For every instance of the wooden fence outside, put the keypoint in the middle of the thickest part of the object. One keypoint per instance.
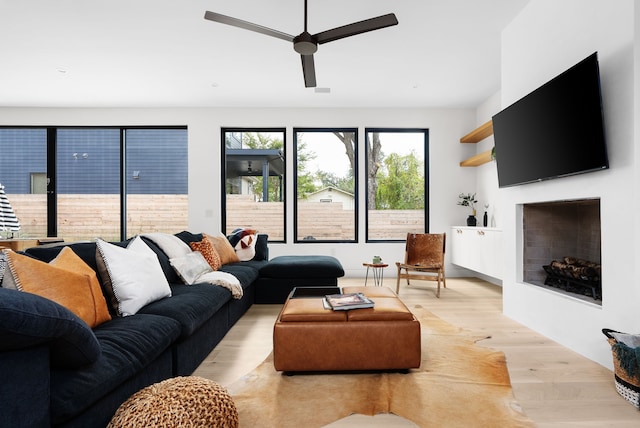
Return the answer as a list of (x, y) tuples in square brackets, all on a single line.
[(82, 217)]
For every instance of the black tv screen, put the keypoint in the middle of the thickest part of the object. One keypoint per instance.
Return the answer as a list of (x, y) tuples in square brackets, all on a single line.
[(555, 131)]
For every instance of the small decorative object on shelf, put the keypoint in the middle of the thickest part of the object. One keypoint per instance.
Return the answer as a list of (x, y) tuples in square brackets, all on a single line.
[(377, 260), (469, 200), (485, 218)]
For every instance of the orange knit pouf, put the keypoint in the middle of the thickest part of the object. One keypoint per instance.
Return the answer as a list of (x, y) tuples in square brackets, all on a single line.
[(188, 401)]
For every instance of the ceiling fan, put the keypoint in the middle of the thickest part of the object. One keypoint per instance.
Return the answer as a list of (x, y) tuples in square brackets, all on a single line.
[(307, 44)]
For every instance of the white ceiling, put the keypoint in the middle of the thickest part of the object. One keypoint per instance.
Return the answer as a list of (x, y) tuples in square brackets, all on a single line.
[(163, 53)]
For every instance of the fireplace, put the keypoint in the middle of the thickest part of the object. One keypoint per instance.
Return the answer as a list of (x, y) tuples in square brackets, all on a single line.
[(557, 235)]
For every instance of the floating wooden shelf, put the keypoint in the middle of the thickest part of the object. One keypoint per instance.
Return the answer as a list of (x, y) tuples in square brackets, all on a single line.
[(478, 134), (478, 159), (475, 136)]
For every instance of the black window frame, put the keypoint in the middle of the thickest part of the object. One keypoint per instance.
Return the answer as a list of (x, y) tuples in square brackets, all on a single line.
[(296, 131), (427, 186), (52, 167), (223, 173)]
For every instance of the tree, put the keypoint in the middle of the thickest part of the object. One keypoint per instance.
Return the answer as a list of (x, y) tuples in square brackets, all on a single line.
[(373, 161), (401, 183)]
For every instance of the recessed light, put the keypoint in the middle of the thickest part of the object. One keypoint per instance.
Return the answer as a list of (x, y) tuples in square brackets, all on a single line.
[(214, 85), (61, 70)]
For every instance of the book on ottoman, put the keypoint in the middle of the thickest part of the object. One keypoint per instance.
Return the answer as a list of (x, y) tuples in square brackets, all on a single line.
[(348, 301)]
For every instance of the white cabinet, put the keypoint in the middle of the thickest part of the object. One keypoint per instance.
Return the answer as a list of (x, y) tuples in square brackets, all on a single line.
[(478, 249)]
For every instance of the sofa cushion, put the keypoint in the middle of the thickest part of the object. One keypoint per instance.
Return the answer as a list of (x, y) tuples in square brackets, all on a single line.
[(262, 247), (246, 272), (303, 267), (66, 280), (189, 237), (128, 345), (190, 305), (85, 250), (28, 320), (135, 277)]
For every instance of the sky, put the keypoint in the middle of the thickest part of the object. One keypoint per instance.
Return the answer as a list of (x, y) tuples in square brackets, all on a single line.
[(331, 157)]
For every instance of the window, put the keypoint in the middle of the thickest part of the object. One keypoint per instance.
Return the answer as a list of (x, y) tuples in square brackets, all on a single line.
[(23, 155), (397, 188), (68, 182), (156, 180), (254, 181), (88, 183), (326, 171)]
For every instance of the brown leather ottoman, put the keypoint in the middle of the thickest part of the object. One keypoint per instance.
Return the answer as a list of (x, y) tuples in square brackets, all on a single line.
[(308, 337)]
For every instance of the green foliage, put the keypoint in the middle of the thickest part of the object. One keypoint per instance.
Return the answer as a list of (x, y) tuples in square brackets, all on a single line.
[(400, 183), (468, 200), (257, 140)]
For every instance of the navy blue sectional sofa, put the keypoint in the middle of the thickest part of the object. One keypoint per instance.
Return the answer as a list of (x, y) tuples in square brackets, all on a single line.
[(56, 371)]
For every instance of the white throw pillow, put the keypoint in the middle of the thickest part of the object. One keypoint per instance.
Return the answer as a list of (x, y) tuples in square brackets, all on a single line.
[(135, 274), (190, 266)]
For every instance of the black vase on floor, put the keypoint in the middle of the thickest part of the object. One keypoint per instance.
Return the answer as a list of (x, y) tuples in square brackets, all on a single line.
[(471, 221), (485, 219)]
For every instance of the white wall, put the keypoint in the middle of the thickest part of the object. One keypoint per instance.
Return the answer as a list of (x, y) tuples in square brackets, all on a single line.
[(487, 174), (545, 39), (446, 177)]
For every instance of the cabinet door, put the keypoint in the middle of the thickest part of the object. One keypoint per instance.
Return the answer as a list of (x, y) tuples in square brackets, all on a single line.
[(477, 249), (457, 246)]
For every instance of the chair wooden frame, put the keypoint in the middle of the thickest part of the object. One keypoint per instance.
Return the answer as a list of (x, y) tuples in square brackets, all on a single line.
[(423, 259)]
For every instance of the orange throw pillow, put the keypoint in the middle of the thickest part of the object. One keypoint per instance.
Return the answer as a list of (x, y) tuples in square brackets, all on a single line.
[(67, 280), (208, 250), (224, 248)]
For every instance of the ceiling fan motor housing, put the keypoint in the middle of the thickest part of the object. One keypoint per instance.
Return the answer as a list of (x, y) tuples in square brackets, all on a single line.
[(305, 44)]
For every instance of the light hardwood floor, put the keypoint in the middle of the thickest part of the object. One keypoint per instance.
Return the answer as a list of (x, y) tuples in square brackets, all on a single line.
[(555, 386)]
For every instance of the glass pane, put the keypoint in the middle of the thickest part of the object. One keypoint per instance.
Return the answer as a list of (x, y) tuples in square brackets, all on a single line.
[(88, 182), (23, 154), (255, 179), (325, 185), (157, 178), (395, 184)]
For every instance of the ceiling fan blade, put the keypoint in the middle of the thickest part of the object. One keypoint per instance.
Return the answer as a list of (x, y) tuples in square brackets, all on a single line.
[(235, 22), (356, 28), (309, 71)]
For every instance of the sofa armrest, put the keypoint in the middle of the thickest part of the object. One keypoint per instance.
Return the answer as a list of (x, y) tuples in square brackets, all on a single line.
[(25, 387), (28, 320)]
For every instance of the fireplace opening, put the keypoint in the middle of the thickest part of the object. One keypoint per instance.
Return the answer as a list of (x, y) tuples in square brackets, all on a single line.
[(562, 247)]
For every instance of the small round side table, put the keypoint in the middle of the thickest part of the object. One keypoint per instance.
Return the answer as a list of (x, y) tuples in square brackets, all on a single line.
[(378, 273)]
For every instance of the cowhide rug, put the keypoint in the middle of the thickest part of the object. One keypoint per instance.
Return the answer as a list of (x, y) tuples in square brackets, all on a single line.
[(458, 384)]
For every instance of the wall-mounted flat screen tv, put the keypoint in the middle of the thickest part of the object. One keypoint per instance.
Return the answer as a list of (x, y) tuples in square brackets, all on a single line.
[(555, 131)]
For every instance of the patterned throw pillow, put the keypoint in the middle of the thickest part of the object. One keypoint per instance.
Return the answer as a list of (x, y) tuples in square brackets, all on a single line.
[(243, 241), (208, 250)]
